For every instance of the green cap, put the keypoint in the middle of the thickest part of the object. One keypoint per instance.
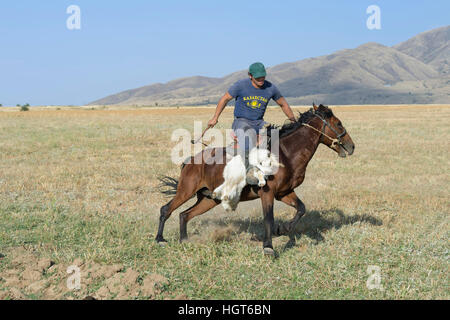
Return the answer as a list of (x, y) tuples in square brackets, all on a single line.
[(257, 70)]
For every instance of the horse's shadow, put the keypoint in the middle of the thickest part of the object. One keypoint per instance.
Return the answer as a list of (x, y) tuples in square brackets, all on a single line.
[(314, 224)]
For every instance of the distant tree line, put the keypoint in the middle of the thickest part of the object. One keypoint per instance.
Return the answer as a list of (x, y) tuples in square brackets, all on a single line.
[(24, 107)]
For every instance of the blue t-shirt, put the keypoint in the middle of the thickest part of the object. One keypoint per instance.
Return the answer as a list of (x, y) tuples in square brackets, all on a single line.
[(251, 103)]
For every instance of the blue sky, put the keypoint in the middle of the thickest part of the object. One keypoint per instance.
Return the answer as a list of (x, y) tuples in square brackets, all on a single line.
[(127, 44)]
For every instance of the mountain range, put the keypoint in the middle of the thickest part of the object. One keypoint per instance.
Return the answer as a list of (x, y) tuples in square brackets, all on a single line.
[(416, 71)]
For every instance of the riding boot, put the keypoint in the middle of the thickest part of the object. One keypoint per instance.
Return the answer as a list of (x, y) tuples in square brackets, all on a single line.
[(250, 177)]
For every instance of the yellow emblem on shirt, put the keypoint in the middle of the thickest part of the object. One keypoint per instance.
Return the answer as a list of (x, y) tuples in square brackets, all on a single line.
[(254, 101), (254, 104)]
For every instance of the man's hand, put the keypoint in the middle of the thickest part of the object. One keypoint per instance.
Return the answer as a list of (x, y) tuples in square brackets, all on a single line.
[(286, 108), (212, 122)]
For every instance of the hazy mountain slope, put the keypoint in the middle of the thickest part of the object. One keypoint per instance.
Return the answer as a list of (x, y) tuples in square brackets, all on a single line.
[(169, 88), (368, 66), (414, 71), (431, 47)]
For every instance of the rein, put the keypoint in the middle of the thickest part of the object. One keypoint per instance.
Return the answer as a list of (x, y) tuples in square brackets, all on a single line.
[(334, 141)]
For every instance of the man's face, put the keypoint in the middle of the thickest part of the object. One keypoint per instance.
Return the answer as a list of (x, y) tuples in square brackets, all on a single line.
[(258, 81)]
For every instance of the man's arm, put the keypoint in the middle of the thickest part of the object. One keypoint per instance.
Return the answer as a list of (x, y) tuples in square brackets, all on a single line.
[(220, 106), (286, 108)]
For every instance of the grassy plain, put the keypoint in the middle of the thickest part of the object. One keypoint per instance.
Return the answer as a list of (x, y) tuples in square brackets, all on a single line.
[(80, 187)]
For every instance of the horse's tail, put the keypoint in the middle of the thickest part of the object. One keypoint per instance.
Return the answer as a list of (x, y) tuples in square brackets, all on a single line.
[(168, 185)]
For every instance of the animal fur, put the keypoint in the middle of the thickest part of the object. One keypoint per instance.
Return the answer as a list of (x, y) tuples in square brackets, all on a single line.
[(229, 192)]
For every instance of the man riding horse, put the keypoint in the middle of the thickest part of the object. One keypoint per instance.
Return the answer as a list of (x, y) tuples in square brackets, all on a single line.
[(252, 97), (298, 142)]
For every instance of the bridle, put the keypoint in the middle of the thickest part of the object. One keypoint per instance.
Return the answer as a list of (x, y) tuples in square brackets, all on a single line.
[(334, 141)]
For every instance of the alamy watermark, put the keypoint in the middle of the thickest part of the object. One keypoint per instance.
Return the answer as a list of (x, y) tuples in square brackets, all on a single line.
[(74, 280), (185, 151), (374, 279), (374, 20), (73, 22)]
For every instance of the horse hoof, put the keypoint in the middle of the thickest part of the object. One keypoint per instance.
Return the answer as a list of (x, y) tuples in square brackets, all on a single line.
[(161, 241), (269, 252), (162, 244), (225, 198)]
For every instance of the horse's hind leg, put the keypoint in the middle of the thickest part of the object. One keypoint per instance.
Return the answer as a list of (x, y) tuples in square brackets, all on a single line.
[(184, 193), (202, 205), (164, 215)]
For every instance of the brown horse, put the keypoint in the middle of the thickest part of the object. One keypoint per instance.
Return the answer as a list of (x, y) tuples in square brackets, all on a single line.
[(298, 142)]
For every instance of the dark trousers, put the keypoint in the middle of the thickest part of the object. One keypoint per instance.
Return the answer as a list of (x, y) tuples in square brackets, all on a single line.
[(246, 132)]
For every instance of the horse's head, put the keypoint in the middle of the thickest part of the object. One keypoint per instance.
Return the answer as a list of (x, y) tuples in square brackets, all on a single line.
[(340, 141)]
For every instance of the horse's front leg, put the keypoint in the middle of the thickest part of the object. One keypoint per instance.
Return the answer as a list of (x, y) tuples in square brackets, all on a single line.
[(267, 200), (287, 228)]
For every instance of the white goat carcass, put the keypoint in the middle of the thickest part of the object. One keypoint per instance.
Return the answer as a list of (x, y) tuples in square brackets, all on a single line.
[(266, 162), (229, 192)]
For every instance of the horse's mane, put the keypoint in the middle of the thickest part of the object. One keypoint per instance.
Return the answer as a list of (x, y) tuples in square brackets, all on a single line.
[(305, 117)]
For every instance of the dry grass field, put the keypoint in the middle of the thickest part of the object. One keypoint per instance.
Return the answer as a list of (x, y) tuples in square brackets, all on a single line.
[(79, 187)]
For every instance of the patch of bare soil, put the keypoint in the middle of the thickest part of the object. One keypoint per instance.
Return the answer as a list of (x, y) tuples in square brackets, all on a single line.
[(29, 277)]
